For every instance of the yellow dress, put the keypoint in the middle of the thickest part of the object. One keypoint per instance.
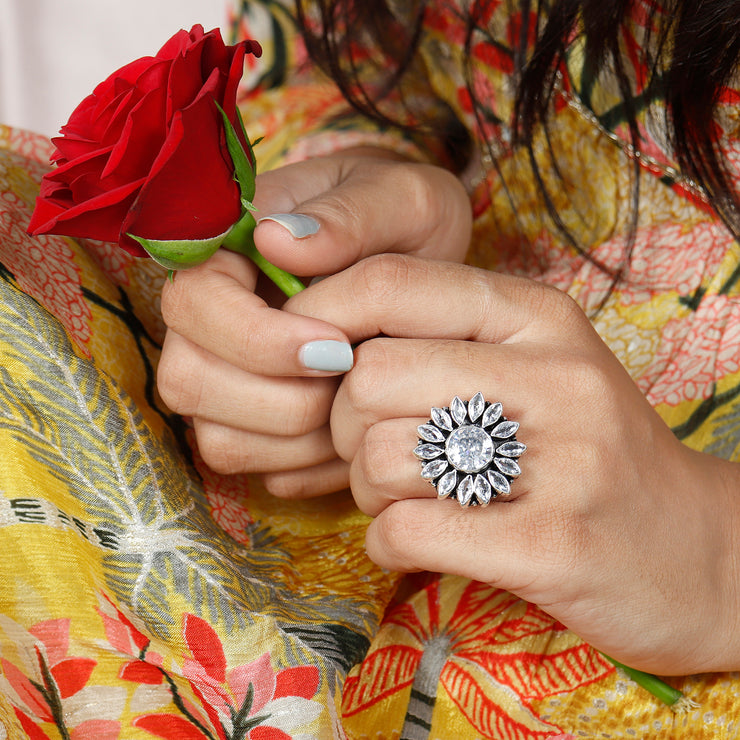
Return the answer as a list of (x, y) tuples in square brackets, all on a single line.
[(143, 595)]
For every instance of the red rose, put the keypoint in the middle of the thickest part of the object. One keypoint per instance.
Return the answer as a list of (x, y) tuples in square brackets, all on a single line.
[(146, 153)]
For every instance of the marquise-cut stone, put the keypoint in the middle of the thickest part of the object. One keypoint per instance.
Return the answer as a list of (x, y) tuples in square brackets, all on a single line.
[(434, 469), (427, 452), (492, 414), (442, 419), (458, 410), (505, 429), (469, 448), (475, 406), (508, 466), (482, 490), (465, 490), (446, 484), (498, 482), (511, 449), (430, 433)]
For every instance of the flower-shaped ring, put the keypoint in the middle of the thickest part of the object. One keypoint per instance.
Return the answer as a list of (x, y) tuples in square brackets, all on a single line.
[(469, 451)]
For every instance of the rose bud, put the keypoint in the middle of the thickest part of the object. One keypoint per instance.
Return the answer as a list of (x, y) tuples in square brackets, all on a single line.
[(144, 160)]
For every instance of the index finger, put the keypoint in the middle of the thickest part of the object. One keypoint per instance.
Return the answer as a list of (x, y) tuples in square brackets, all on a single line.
[(404, 296)]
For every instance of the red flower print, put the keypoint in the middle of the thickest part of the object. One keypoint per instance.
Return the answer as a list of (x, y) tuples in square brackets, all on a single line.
[(46, 685), (45, 270), (250, 701), (709, 342)]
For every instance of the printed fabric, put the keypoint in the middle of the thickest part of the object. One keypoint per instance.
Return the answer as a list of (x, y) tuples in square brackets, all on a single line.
[(144, 596)]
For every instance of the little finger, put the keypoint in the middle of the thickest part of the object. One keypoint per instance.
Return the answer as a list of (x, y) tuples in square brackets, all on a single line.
[(228, 450), (318, 480)]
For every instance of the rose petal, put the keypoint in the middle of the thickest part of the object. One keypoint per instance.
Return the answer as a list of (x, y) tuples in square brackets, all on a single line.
[(185, 80), (179, 42), (169, 205), (144, 133), (96, 219)]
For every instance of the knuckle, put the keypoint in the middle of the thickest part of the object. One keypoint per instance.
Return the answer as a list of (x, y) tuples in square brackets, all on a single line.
[(369, 377), (376, 459), (399, 532), (284, 486), (309, 412), (421, 191), (177, 301), (216, 447), (178, 383), (383, 279), (557, 305)]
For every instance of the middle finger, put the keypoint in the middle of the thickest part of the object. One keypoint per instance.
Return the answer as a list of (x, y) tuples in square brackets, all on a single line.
[(403, 378)]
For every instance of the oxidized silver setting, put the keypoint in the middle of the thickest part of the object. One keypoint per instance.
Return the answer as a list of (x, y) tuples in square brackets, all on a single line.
[(469, 451)]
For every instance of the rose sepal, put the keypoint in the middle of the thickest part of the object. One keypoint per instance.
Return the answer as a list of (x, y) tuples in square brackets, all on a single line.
[(180, 254), (241, 236), (245, 166)]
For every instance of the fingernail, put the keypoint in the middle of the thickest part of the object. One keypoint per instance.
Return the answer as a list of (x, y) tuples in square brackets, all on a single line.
[(327, 355), (298, 224)]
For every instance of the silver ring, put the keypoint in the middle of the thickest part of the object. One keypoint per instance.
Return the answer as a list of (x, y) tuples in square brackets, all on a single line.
[(469, 451)]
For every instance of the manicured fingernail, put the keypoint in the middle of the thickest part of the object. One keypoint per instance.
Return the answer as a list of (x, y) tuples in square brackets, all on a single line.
[(298, 224), (327, 355)]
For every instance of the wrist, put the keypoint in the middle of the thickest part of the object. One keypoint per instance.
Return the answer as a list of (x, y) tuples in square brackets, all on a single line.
[(727, 632)]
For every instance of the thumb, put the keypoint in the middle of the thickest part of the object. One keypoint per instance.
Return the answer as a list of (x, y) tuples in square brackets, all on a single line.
[(363, 205)]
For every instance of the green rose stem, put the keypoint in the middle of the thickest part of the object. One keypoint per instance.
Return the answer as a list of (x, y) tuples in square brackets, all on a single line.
[(677, 702), (240, 239)]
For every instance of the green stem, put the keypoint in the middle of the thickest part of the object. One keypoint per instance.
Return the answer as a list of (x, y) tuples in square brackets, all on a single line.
[(658, 688), (240, 239)]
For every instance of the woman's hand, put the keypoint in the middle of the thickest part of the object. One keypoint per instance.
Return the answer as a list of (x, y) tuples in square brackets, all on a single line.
[(246, 371), (614, 527)]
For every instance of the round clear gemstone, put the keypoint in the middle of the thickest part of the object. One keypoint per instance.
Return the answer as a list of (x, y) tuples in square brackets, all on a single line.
[(469, 448)]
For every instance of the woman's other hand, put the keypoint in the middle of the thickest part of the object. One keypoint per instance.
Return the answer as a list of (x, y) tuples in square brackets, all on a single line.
[(259, 382), (614, 527)]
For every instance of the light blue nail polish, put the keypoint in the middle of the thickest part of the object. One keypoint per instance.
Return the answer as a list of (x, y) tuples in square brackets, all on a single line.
[(327, 355), (298, 224)]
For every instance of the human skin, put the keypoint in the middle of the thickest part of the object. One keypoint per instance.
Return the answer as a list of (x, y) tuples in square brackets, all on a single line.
[(615, 527), (231, 360)]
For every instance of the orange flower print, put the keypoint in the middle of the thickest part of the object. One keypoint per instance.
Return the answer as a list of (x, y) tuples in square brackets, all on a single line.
[(492, 653)]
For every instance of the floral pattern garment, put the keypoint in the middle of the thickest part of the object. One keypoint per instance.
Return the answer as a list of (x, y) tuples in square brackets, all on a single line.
[(144, 596)]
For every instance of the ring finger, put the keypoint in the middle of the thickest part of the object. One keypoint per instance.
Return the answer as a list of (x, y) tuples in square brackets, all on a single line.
[(469, 453)]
